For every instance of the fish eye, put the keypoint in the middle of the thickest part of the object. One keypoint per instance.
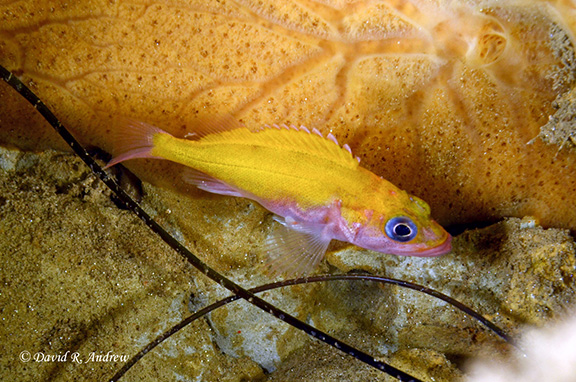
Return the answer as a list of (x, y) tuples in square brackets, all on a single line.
[(401, 229)]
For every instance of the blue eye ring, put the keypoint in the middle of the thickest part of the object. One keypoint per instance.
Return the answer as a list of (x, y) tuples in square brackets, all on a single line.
[(401, 229)]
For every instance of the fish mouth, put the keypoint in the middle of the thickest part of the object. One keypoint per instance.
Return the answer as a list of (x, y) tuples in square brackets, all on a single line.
[(441, 249)]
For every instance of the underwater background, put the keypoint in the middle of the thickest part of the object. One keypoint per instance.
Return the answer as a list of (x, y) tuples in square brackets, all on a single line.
[(466, 104)]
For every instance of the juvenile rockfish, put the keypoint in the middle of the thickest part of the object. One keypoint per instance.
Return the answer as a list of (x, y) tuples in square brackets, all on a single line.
[(316, 188)]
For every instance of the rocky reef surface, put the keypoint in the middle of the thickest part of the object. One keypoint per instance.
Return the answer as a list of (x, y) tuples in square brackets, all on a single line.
[(80, 275)]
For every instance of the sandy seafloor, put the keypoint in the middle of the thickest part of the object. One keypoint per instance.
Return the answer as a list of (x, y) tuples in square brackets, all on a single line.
[(81, 277)]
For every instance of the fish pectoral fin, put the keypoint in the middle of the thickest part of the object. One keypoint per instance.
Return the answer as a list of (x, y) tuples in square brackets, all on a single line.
[(297, 250), (210, 184)]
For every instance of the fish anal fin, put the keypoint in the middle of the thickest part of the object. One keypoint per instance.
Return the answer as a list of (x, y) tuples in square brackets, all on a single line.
[(210, 184), (296, 248)]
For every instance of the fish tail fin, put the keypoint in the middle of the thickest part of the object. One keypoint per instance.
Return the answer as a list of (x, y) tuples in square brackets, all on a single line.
[(133, 139)]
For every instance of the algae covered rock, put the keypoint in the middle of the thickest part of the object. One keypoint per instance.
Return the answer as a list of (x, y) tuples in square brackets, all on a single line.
[(81, 276)]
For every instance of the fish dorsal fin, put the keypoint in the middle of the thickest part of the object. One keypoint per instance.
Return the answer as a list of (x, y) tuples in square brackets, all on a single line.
[(134, 139), (282, 137), (325, 146), (212, 126), (295, 248)]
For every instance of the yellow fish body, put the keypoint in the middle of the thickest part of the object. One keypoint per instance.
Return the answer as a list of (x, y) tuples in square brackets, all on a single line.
[(316, 188)]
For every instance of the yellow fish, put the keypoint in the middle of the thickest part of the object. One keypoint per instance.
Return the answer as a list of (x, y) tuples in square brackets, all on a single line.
[(315, 187)]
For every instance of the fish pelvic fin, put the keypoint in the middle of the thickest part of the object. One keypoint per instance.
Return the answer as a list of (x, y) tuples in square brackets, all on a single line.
[(294, 248), (133, 139)]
